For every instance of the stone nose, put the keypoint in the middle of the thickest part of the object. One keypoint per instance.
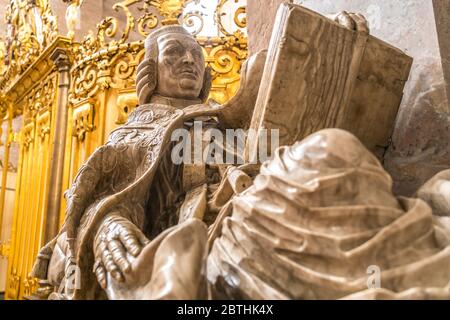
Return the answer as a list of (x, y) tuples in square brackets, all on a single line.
[(188, 58)]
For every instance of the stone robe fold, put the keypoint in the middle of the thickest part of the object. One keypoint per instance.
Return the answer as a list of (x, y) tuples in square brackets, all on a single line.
[(117, 178)]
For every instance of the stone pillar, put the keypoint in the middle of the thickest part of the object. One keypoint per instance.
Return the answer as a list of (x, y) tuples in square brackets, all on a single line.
[(62, 62), (442, 14)]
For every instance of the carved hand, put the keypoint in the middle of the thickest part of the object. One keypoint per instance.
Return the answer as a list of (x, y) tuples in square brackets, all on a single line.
[(116, 239), (352, 21), (172, 266)]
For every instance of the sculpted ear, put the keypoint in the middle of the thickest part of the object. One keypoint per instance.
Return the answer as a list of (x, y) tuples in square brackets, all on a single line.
[(207, 82), (146, 80)]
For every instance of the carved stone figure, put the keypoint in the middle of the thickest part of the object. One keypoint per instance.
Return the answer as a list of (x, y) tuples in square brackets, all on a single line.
[(130, 192), (310, 225)]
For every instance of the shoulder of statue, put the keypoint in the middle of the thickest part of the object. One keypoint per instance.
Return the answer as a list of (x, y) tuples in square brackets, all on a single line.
[(152, 113), (147, 124)]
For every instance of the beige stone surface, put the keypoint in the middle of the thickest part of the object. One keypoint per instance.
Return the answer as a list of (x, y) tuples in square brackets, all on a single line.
[(319, 74), (421, 140), (420, 146), (260, 17), (442, 14), (321, 222), (436, 193), (3, 4)]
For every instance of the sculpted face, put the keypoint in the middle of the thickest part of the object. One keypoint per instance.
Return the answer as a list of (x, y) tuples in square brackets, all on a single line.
[(181, 67)]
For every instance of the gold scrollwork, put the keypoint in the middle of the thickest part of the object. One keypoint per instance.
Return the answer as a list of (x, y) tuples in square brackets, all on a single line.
[(30, 285), (126, 103), (43, 123), (146, 22), (171, 10), (102, 65), (14, 285), (4, 249), (28, 135), (189, 21), (239, 19), (31, 27), (83, 121)]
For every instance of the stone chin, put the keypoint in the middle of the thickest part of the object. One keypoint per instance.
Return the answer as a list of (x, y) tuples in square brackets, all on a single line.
[(190, 84)]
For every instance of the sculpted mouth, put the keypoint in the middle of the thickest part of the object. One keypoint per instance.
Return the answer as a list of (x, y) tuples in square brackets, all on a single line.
[(188, 71), (189, 74)]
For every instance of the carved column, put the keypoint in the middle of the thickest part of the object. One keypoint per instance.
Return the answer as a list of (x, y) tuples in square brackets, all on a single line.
[(7, 116), (61, 60)]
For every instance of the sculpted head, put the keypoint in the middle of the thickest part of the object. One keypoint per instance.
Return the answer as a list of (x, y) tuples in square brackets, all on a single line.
[(174, 67)]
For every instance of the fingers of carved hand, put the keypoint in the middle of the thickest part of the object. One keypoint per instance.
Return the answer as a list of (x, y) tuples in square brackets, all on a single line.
[(119, 255), (352, 21), (360, 21), (344, 19), (132, 240), (108, 262), (100, 273)]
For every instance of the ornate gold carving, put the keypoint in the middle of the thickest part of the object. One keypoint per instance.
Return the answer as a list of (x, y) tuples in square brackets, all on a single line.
[(31, 27), (239, 18), (126, 103), (225, 60), (171, 10), (14, 285), (4, 249), (30, 285), (103, 62), (83, 121), (43, 123)]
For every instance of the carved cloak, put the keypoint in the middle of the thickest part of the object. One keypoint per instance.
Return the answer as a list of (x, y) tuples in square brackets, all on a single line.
[(116, 178)]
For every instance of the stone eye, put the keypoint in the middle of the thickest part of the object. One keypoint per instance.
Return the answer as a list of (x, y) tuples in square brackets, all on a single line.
[(175, 50)]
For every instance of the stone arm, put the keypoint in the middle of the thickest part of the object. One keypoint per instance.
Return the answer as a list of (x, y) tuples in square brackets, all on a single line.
[(49, 263)]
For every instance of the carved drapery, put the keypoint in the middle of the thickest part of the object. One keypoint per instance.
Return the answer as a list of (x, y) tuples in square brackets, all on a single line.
[(98, 96)]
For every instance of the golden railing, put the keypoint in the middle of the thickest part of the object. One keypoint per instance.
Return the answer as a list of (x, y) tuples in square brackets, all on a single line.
[(70, 95)]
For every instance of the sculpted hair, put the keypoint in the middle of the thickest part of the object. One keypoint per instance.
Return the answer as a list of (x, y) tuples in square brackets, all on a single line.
[(147, 71)]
